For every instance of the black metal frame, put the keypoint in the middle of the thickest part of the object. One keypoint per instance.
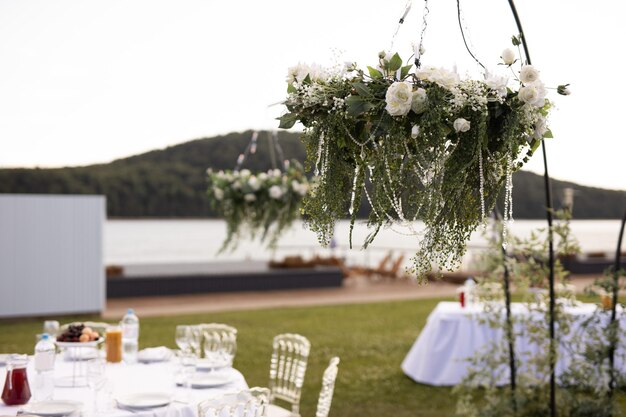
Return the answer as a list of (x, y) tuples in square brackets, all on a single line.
[(549, 213)]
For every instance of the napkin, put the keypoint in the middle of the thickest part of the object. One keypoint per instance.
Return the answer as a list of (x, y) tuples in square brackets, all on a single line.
[(154, 354)]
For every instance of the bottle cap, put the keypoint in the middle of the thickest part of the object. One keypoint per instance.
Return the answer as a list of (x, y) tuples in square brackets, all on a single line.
[(131, 311), (45, 336)]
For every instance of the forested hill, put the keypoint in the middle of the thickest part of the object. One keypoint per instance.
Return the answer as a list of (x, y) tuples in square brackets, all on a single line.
[(171, 182)]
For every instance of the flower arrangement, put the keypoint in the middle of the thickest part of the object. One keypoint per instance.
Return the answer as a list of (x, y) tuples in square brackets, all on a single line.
[(418, 143), (263, 204)]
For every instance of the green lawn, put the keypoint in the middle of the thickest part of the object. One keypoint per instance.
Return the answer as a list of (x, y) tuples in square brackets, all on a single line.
[(371, 340)]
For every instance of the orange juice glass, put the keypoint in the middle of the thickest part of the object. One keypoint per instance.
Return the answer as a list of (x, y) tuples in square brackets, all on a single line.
[(114, 344)]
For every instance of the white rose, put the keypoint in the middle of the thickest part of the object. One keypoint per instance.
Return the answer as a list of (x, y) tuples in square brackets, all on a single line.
[(276, 192), (415, 131), (461, 125), (249, 197), (218, 193), (497, 83), (262, 176), (508, 56), (297, 73), (236, 185), (541, 128), (528, 74), (245, 173), (254, 183), (441, 76), (533, 94), (399, 98), (300, 188), (274, 172), (419, 103)]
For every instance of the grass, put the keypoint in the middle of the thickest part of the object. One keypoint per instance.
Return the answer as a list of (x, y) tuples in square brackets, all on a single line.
[(371, 340)]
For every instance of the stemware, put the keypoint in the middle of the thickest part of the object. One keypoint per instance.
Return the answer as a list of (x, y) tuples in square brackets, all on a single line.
[(183, 336), (96, 378), (195, 340)]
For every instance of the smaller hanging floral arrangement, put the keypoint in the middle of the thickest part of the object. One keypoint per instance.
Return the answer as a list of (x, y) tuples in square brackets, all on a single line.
[(261, 205), (417, 143)]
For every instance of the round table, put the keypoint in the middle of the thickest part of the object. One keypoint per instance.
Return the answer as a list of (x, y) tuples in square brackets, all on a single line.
[(136, 378), (453, 334)]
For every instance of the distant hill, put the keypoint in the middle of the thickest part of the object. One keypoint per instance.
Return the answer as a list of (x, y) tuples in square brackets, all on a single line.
[(171, 182)]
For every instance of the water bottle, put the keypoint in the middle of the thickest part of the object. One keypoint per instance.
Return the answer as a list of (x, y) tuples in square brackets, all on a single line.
[(45, 353), (130, 336)]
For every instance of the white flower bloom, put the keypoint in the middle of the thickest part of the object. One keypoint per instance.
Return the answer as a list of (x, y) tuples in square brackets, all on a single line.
[(274, 172), (419, 102), (254, 183), (236, 185), (399, 98), (249, 197), (497, 83), (415, 131), (244, 173), (461, 125), (528, 74), (508, 56), (541, 128), (297, 73), (533, 94), (300, 188), (441, 76), (218, 193), (263, 176), (276, 192)]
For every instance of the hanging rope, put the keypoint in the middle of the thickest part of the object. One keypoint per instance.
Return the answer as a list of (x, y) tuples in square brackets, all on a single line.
[(276, 152), (420, 47), (251, 148), (458, 8), (407, 9)]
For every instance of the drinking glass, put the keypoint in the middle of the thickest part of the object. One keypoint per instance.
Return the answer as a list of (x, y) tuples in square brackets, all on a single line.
[(195, 340), (96, 378), (183, 334), (188, 361)]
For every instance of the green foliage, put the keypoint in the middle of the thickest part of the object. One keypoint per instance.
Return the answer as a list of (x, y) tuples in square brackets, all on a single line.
[(583, 385), (260, 205), (413, 162)]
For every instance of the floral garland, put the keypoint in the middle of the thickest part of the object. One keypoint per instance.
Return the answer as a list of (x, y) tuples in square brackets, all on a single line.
[(262, 204), (419, 144)]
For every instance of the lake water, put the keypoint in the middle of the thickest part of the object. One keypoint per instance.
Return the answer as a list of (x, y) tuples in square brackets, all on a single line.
[(181, 241)]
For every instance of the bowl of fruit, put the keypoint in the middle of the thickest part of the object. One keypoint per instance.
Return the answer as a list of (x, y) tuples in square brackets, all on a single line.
[(78, 334)]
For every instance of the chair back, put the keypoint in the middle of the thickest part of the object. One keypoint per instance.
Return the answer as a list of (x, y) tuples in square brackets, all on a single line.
[(328, 388), (247, 403), (219, 339), (287, 368)]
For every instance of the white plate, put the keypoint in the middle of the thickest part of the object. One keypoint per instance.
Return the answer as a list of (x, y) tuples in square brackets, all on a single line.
[(209, 380), (52, 408), (144, 400)]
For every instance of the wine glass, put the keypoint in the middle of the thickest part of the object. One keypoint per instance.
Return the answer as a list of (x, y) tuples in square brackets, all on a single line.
[(195, 339), (183, 334), (96, 379)]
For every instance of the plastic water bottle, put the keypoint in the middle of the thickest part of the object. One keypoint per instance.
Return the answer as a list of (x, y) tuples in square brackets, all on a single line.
[(130, 336), (45, 353)]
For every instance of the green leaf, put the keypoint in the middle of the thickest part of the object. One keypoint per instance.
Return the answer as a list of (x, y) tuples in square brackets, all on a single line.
[(362, 89), (374, 73), (291, 88), (405, 71), (548, 134), (516, 40), (287, 120), (357, 105), (307, 80), (395, 62)]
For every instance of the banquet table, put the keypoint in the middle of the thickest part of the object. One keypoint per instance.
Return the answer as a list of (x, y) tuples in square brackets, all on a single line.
[(453, 334), (124, 379)]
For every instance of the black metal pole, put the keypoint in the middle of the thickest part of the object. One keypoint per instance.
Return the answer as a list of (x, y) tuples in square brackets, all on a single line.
[(546, 180), (510, 336), (612, 326)]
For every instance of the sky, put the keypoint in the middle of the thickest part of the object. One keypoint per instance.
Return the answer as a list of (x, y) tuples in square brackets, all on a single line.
[(87, 81)]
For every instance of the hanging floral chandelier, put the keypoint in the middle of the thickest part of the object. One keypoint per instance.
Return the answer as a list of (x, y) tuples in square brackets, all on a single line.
[(420, 144)]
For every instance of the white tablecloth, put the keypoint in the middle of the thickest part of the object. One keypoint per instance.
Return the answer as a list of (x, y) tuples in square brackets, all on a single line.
[(452, 334), (137, 378)]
